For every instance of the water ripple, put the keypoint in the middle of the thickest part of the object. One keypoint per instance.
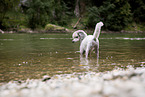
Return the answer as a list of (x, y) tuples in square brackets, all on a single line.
[(55, 38), (7, 39), (125, 38)]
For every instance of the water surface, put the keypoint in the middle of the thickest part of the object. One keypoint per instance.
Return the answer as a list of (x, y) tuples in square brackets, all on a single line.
[(25, 56)]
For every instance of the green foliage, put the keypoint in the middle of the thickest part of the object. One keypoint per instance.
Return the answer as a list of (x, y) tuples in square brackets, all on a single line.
[(102, 13), (41, 12), (135, 27), (138, 10), (114, 15), (37, 12), (8, 11)]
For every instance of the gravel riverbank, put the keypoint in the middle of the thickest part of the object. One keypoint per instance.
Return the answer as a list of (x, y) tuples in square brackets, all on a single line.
[(117, 83)]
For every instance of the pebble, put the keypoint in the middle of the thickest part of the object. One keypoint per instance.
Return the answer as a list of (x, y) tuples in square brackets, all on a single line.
[(45, 78), (117, 83)]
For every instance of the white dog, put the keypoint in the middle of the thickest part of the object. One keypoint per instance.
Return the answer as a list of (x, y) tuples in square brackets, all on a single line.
[(88, 42)]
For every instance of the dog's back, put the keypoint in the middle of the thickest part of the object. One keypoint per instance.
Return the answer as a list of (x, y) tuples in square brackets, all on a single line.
[(86, 44)]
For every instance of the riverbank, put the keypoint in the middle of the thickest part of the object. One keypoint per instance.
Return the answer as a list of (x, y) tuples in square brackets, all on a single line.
[(51, 28), (67, 31), (117, 83)]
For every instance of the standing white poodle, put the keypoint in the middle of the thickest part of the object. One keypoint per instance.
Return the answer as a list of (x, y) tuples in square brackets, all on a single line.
[(88, 42)]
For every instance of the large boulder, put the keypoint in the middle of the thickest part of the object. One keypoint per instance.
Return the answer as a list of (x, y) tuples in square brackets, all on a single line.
[(52, 27)]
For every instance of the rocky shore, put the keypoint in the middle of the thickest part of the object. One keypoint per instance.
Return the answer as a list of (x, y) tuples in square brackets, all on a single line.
[(49, 28), (58, 29), (117, 83)]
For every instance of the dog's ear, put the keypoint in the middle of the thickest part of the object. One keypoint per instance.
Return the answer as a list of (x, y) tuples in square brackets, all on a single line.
[(81, 35)]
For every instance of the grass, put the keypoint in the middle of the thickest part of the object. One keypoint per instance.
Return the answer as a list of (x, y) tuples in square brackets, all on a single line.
[(135, 27)]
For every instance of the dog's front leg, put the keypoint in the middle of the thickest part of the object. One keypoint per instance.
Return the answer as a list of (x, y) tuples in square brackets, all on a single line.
[(88, 50), (87, 53), (81, 50), (96, 46)]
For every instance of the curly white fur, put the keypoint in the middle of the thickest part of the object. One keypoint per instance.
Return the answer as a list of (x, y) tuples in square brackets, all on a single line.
[(90, 42)]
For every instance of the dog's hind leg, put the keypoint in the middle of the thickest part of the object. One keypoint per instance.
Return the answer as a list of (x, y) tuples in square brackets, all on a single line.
[(97, 50), (96, 46)]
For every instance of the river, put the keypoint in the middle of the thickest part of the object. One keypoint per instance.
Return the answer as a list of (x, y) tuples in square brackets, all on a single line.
[(32, 56)]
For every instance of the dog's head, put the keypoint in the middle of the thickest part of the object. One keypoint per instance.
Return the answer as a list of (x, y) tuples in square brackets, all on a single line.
[(78, 35)]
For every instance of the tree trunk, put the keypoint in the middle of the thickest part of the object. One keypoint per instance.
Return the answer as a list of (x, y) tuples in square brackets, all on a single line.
[(77, 23), (82, 7), (77, 9)]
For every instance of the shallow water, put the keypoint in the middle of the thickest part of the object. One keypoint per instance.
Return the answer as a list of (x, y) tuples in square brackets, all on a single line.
[(25, 56)]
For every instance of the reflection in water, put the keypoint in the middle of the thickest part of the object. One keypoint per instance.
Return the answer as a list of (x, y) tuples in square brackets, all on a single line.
[(125, 38), (84, 60), (89, 63)]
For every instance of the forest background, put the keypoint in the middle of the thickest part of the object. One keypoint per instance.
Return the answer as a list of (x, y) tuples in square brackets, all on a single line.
[(117, 15)]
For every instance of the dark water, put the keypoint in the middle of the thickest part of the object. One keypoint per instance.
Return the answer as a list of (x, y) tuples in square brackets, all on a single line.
[(25, 56)]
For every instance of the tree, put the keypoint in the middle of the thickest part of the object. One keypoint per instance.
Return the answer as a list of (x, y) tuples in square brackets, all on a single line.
[(37, 12), (41, 12), (138, 10), (61, 14), (115, 15), (6, 9)]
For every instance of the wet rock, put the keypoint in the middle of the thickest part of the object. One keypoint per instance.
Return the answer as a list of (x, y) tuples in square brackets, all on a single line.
[(46, 78)]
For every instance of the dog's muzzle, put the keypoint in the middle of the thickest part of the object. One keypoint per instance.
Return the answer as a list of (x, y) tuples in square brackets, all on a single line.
[(73, 41)]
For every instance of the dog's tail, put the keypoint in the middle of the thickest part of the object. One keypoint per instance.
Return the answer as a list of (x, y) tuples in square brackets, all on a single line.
[(98, 29)]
